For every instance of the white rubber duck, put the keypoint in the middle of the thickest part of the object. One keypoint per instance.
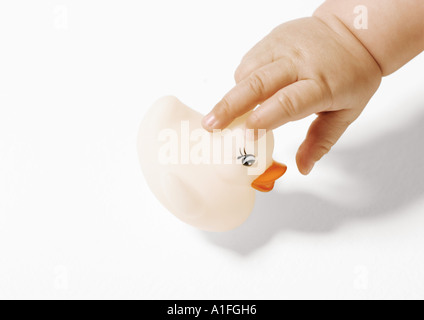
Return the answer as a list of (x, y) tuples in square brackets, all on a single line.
[(207, 180)]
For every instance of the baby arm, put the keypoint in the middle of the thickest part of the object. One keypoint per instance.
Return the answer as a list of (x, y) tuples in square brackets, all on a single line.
[(394, 32), (325, 65)]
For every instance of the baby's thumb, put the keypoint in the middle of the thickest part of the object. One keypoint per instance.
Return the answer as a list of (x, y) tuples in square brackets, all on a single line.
[(324, 132)]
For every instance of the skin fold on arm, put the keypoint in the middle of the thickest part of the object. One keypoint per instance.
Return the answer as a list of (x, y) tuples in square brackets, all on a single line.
[(322, 65)]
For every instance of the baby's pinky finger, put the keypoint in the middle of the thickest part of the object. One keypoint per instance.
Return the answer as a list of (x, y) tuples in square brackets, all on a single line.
[(323, 134)]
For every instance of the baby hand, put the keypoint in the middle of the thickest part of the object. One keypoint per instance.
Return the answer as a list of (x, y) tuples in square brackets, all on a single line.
[(302, 67)]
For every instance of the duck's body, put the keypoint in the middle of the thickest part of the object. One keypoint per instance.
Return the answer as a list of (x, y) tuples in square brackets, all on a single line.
[(212, 196)]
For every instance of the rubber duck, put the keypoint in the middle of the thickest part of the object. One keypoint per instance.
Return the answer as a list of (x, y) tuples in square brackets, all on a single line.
[(207, 180)]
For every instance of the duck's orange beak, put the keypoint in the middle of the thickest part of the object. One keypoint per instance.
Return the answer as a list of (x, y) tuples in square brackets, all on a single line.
[(265, 182)]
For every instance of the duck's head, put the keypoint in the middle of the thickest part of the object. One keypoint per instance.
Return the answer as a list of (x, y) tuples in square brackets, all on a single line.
[(251, 160)]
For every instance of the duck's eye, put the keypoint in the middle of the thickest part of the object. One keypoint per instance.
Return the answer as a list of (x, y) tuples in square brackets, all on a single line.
[(248, 160)]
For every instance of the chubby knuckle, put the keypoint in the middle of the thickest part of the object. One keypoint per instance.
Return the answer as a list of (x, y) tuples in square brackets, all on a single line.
[(323, 91), (287, 105), (256, 83), (322, 150), (297, 55), (225, 107), (343, 120)]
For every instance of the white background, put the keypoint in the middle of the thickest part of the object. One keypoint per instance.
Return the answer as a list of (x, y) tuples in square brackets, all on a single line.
[(77, 219)]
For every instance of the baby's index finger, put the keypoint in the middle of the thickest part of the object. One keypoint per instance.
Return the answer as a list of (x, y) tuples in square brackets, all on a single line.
[(248, 93)]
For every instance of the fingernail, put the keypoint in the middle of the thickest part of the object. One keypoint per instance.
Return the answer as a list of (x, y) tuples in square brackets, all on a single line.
[(209, 121)]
